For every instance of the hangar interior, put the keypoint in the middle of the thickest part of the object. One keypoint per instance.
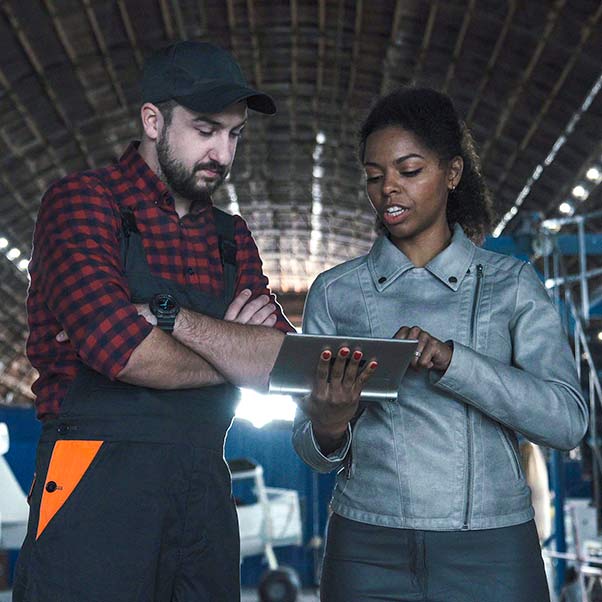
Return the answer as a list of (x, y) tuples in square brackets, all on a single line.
[(525, 76)]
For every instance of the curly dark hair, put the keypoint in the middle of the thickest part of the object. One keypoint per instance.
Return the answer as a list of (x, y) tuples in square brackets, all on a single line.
[(431, 117)]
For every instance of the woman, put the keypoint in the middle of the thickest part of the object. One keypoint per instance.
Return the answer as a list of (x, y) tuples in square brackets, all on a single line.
[(430, 501)]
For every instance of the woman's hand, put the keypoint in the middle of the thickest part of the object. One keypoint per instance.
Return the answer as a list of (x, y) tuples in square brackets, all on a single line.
[(431, 353), (333, 402)]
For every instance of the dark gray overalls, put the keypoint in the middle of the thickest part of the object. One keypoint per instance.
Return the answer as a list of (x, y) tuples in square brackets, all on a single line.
[(132, 499)]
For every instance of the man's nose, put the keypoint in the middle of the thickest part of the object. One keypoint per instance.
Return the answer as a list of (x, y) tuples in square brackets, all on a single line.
[(222, 151)]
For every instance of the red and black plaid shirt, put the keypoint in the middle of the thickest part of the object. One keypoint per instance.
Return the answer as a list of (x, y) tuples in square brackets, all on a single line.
[(77, 282)]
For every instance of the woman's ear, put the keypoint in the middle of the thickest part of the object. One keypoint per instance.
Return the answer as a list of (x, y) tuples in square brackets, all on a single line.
[(456, 167)]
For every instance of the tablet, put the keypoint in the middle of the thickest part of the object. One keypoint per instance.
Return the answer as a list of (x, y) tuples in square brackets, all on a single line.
[(295, 367)]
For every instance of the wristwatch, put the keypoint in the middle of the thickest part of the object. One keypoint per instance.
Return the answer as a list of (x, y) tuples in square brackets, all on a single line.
[(165, 308)]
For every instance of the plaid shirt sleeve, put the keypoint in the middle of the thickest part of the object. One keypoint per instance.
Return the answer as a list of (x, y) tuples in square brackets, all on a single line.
[(76, 267), (250, 271)]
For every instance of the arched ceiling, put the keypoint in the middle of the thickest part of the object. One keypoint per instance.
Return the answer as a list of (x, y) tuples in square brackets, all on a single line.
[(522, 74)]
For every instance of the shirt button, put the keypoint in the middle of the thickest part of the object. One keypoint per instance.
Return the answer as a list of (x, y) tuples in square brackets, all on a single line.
[(181, 224), (382, 279), (51, 486), (190, 271), (156, 202), (452, 279)]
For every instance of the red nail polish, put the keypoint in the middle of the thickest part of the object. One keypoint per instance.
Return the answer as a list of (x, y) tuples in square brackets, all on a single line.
[(357, 355), (326, 355), (373, 365), (344, 352)]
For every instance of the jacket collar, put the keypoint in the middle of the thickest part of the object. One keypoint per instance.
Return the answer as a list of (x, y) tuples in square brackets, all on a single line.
[(386, 262)]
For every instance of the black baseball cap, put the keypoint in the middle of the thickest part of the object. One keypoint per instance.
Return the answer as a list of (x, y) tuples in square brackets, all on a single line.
[(201, 77)]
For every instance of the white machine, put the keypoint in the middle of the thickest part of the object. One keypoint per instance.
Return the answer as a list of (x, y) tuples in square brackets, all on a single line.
[(274, 519), (14, 509)]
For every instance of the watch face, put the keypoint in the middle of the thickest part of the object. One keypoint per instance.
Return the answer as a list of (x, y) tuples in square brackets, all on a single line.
[(166, 303)]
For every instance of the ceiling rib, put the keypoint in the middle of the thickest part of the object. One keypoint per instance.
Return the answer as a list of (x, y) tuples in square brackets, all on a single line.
[(491, 63), (129, 32), (43, 78), (104, 51), (459, 44), (525, 78), (586, 32)]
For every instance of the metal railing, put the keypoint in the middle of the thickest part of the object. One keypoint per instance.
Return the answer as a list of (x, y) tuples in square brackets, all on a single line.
[(576, 320)]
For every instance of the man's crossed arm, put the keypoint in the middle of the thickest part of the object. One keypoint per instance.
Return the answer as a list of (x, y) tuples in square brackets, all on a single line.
[(202, 351)]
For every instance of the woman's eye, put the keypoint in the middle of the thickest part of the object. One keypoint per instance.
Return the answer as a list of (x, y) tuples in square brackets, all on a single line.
[(411, 173), (205, 132), (236, 134), (371, 179)]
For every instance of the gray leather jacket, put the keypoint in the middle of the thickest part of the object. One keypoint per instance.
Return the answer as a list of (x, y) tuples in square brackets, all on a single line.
[(443, 455)]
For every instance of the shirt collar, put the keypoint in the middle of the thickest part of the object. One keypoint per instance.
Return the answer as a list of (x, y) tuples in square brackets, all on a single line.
[(137, 170), (386, 262)]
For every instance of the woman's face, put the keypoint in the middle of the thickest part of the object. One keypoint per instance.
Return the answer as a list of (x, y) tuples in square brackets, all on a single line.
[(408, 185)]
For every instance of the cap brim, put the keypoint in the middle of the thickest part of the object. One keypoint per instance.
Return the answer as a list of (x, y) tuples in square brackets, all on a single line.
[(215, 100)]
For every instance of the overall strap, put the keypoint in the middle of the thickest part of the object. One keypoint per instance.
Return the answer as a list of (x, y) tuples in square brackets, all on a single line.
[(224, 223), (128, 225)]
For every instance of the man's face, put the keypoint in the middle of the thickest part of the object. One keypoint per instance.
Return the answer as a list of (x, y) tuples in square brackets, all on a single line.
[(195, 151)]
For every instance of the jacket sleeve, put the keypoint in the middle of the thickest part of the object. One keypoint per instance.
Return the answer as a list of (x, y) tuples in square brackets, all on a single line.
[(317, 320), (538, 395)]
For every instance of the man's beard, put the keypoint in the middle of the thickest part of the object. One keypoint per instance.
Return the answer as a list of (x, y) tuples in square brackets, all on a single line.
[(180, 180)]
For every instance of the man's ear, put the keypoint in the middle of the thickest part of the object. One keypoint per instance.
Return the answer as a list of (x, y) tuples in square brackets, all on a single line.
[(152, 120), (456, 167)]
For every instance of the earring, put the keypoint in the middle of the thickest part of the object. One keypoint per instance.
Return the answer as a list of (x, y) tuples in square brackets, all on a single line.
[(453, 187)]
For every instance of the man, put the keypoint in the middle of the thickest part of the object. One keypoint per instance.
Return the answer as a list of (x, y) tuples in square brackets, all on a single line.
[(131, 499)]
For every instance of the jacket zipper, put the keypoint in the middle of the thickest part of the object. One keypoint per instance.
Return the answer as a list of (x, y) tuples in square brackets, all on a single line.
[(469, 433)]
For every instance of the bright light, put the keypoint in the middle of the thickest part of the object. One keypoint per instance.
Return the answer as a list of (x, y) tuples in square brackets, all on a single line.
[(551, 224), (318, 171), (320, 137), (593, 174), (13, 253), (23, 264), (566, 208), (3, 243), (580, 192), (261, 409), (600, 336), (550, 282)]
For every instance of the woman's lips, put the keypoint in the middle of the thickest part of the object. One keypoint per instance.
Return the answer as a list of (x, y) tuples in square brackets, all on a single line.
[(395, 214)]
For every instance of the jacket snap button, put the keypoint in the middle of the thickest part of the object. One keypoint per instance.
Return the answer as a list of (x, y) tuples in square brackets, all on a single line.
[(382, 279), (62, 429), (51, 486), (453, 279)]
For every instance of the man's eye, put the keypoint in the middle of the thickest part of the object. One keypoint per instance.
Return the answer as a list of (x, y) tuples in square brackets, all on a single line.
[(205, 132), (236, 134)]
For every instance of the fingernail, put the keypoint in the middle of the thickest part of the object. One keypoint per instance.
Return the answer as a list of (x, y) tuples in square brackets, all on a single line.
[(357, 355), (247, 291), (344, 352), (326, 355), (373, 365)]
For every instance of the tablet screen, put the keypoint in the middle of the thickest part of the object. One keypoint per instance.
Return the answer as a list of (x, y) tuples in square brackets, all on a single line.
[(295, 367)]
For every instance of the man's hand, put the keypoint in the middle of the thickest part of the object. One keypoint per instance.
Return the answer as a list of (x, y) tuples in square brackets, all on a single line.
[(260, 311), (333, 402), (431, 353)]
